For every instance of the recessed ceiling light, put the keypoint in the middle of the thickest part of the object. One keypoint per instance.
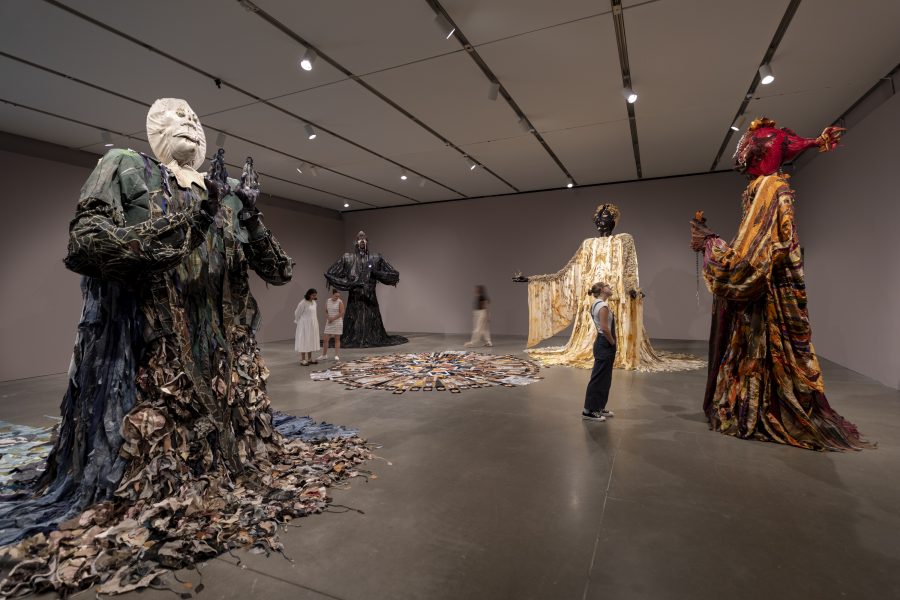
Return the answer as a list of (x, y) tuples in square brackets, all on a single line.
[(314, 171), (739, 123), (493, 90), (299, 171), (306, 63), (403, 175), (525, 125), (421, 182), (630, 94), (766, 76), (220, 139), (472, 164), (570, 183), (310, 131), (107, 138), (346, 205)]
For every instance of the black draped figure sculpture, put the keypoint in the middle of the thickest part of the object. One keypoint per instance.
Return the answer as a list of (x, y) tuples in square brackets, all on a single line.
[(358, 272)]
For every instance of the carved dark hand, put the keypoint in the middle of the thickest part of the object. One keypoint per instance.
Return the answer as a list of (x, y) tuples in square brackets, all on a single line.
[(214, 193), (247, 196), (699, 234)]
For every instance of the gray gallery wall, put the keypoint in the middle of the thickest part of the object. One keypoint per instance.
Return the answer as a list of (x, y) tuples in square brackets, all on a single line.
[(442, 250), (848, 211), (40, 301)]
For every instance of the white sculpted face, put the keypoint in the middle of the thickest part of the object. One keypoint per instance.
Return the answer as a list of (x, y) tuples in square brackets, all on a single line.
[(175, 133)]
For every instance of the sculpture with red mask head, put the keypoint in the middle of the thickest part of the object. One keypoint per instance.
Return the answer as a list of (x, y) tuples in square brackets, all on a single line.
[(764, 379), (765, 147)]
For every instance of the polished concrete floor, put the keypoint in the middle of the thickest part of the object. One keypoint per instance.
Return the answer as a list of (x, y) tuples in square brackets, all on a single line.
[(507, 493)]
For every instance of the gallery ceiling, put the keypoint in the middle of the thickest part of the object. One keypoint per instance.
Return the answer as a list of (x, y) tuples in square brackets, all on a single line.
[(388, 93)]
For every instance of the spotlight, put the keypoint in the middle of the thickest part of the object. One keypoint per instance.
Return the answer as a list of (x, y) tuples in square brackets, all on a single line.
[(629, 94), (570, 183), (472, 164), (220, 139), (346, 205), (739, 123), (306, 63), (299, 171), (766, 76), (421, 182), (493, 90), (403, 175), (107, 138), (444, 25), (310, 132)]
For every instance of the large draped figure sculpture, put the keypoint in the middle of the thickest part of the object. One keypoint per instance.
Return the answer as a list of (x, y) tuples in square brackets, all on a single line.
[(764, 379), (167, 451), (358, 272), (558, 299)]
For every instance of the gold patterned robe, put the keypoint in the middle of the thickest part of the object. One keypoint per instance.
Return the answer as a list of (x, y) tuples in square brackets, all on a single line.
[(555, 300), (764, 378)]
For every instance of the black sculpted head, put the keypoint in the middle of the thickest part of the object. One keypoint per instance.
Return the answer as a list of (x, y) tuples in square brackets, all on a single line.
[(362, 242), (605, 219)]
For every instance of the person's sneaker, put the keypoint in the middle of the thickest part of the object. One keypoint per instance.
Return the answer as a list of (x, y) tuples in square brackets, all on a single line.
[(468, 344), (337, 358), (607, 413), (592, 416), (489, 345)]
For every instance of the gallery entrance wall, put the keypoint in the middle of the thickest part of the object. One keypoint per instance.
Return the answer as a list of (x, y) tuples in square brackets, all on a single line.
[(41, 301), (445, 249)]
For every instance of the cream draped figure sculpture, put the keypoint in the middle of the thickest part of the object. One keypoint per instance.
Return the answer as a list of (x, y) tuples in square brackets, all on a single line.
[(556, 299)]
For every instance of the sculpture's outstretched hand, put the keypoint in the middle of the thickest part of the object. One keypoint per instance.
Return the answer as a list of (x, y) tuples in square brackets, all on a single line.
[(830, 138), (699, 232), (247, 196)]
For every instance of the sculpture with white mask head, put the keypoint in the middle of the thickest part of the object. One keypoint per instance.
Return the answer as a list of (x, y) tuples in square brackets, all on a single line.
[(166, 405)]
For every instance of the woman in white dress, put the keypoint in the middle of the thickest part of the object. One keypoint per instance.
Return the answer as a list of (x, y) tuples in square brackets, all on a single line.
[(334, 324), (306, 339)]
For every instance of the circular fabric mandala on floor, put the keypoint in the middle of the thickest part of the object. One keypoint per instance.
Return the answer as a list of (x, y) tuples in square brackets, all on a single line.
[(451, 371)]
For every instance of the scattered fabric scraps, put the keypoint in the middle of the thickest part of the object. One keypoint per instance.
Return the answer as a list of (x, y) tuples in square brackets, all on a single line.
[(451, 370), (23, 452), (123, 545)]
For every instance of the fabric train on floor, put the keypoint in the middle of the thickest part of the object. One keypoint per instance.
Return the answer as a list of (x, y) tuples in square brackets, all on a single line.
[(555, 300)]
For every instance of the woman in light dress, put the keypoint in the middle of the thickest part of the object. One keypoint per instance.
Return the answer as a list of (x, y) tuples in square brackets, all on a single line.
[(306, 339), (334, 324), (480, 330)]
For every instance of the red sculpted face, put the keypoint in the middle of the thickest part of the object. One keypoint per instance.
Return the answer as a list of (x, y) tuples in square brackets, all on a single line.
[(764, 148)]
